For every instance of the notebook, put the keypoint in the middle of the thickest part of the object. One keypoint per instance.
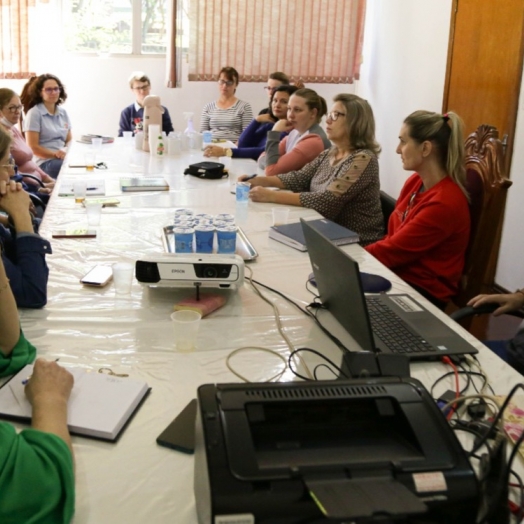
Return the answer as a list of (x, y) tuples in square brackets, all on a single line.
[(340, 288), (94, 187), (144, 184), (292, 235), (100, 405)]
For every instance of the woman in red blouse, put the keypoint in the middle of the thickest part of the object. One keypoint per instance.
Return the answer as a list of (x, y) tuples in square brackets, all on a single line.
[(428, 231)]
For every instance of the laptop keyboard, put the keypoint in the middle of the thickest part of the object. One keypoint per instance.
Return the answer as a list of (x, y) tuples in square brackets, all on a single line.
[(392, 330)]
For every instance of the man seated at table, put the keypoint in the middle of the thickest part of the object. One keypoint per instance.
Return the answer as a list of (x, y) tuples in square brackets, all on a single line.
[(131, 118), (511, 351)]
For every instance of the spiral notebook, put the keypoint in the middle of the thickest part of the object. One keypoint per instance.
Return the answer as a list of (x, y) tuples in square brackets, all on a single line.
[(100, 406)]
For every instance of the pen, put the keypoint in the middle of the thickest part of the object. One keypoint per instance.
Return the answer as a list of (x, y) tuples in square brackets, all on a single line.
[(91, 188), (25, 381)]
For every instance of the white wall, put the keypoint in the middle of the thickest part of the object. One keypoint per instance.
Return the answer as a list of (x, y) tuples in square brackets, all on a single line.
[(404, 69)]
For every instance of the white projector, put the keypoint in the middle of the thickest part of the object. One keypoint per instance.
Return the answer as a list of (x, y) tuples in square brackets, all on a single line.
[(171, 270)]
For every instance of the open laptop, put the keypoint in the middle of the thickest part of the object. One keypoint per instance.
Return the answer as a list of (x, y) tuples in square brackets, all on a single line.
[(379, 323)]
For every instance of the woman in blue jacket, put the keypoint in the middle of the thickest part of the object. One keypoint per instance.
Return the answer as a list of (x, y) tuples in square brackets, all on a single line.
[(22, 250)]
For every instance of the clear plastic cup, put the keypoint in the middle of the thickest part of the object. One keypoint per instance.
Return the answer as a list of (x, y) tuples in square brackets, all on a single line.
[(79, 190), (185, 326), (123, 277), (94, 213), (90, 161), (242, 192), (96, 143), (280, 215)]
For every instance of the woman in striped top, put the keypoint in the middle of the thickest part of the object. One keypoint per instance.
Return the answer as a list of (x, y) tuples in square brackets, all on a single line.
[(228, 116)]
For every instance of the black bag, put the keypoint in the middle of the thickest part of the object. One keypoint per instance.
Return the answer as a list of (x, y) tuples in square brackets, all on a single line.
[(209, 170)]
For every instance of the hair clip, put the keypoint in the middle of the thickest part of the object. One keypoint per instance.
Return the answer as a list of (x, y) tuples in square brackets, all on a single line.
[(445, 117)]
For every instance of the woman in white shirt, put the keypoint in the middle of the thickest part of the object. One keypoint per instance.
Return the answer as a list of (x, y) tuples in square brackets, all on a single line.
[(228, 116)]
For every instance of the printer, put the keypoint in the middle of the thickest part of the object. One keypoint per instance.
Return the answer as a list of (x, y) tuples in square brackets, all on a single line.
[(347, 451)]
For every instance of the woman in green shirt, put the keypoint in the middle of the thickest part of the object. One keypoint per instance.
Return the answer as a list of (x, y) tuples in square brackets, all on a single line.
[(37, 482)]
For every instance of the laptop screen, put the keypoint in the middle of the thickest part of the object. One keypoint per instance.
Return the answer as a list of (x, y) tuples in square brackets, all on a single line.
[(339, 286)]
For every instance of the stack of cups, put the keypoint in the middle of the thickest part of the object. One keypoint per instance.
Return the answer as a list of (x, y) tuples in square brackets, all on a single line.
[(200, 230)]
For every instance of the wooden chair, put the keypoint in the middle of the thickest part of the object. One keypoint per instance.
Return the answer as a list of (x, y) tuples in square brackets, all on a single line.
[(488, 186)]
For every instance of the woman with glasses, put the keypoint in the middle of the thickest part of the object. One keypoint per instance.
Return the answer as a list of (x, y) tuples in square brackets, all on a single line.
[(132, 117), (252, 141), (10, 111), (22, 250), (47, 126), (306, 139), (36, 465), (228, 116), (428, 231), (342, 183)]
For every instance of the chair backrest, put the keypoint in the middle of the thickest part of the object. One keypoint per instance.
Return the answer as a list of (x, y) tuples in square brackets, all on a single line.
[(487, 186), (387, 203)]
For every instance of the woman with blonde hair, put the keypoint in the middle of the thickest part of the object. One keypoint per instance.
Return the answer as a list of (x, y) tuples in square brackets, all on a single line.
[(342, 183), (306, 139), (428, 231)]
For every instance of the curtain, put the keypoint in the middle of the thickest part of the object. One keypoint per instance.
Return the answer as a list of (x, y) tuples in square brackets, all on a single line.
[(309, 40), (14, 52), (174, 44)]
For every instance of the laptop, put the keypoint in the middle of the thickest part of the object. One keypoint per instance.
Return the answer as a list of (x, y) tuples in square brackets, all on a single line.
[(379, 323)]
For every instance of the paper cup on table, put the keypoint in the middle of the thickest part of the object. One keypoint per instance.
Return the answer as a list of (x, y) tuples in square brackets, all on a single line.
[(94, 212), (123, 277), (79, 190), (226, 239), (185, 326), (280, 215)]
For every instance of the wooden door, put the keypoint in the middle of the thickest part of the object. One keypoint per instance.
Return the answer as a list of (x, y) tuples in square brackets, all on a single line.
[(485, 65)]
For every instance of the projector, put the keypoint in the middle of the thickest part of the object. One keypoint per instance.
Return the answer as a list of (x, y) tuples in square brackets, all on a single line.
[(219, 271)]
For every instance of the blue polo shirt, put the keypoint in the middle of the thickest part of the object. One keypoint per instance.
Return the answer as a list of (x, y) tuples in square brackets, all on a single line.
[(53, 129)]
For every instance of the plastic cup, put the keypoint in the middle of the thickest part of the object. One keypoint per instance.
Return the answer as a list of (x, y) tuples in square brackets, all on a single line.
[(123, 277), (184, 239), (185, 327), (204, 236), (96, 143), (94, 212), (207, 137), (128, 138), (184, 212), (79, 190), (90, 160), (196, 141), (227, 239), (242, 192), (280, 215)]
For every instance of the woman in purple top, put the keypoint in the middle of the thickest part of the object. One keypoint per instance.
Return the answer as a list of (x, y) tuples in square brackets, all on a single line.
[(252, 141)]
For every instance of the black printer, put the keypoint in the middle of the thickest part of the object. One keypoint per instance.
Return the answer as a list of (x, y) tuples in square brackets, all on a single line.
[(363, 450)]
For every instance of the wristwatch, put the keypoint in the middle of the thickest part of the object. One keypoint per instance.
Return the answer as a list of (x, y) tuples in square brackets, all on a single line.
[(229, 152)]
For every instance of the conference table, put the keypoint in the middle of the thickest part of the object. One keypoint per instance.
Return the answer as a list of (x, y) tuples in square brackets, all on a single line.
[(135, 480)]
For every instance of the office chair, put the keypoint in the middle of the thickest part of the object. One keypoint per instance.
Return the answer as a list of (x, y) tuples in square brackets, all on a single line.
[(387, 203)]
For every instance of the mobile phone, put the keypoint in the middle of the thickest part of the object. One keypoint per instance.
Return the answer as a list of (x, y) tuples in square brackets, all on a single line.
[(98, 276), (74, 233), (180, 434)]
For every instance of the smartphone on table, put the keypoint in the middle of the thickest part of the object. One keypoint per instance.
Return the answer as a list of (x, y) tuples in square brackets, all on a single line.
[(98, 276)]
